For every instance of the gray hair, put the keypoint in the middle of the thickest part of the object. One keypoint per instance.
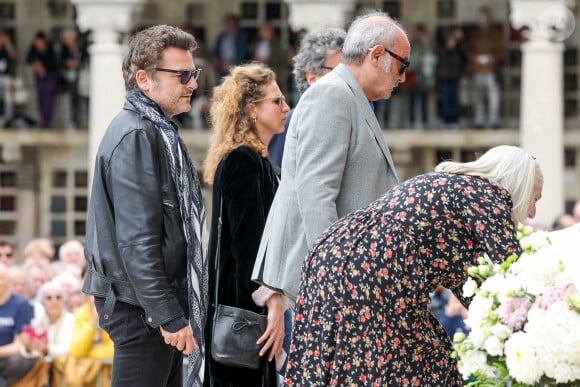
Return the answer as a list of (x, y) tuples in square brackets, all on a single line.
[(52, 285), (507, 166), (146, 50), (70, 245), (315, 49), (365, 32)]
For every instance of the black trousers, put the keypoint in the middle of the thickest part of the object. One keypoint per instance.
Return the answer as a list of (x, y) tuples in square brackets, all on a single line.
[(141, 356)]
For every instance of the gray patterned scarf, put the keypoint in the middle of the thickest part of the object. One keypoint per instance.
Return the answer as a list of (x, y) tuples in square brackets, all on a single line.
[(192, 209)]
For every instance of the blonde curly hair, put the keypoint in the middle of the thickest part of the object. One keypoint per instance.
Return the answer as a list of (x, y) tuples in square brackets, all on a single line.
[(232, 124)]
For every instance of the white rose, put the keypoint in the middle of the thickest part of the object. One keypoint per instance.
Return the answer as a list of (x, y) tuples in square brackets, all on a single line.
[(501, 331), (469, 288), (494, 346), (477, 336)]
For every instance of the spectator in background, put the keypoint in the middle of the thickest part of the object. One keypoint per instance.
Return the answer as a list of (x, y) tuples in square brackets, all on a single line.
[(320, 52), (75, 301), (453, 317), (58, 268), (84, 85), (451, 61), (7, 253), (39, 252), (90, 345), (8, 58), (73, 252), (438, 301), (20, 281), (44, 63), (72, 57), (38, 276), (230, 48), (56, 322), (200, 99), (72, 285), (420, 76), (15, 313), (269, 50), (486, 51)]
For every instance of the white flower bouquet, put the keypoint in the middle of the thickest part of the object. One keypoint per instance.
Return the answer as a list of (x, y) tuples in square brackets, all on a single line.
[(524, 318)]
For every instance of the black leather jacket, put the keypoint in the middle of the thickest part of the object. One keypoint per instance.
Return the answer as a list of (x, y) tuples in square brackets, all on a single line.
[(135, 244)]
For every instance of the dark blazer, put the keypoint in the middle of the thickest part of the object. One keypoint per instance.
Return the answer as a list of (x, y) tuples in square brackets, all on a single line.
[(247, 183)]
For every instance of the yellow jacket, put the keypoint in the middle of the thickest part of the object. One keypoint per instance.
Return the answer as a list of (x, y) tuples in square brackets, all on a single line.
[(84, 342)]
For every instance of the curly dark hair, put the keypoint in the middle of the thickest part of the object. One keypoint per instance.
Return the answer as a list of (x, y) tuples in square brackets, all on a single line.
[(146, 48)]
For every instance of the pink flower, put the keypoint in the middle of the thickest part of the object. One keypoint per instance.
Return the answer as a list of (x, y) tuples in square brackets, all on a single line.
[(514, 312), (554, 294)]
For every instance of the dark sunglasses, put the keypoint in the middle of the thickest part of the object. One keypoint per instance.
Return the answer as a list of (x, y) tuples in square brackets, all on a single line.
[(404, 61), (185, 75)]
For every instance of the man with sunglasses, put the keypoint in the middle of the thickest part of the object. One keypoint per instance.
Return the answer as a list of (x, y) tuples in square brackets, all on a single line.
[(335, 156), (7, 253), (146, 234)]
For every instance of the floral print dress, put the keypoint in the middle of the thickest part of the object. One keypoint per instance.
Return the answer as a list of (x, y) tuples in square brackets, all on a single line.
[(361, 313)]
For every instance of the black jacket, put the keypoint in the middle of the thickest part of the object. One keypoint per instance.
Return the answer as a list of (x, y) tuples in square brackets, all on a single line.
[(247, 183), (135, 243)]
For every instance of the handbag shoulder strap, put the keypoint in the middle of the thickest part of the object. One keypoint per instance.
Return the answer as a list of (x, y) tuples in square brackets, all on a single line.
[(220, 173), (217, 251)]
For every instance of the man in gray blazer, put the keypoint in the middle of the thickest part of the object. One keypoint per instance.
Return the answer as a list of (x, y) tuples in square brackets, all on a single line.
[(335, 157)]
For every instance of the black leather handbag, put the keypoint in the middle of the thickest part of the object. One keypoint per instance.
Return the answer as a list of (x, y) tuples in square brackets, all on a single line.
[(234, 331)]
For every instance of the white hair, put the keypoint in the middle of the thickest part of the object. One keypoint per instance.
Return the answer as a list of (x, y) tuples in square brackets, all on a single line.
[(367, 31), (68, 281), (507, 166), (70, 245), (52, 285)]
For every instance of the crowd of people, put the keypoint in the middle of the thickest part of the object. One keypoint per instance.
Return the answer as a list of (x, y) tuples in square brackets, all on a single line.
[(60, 71), (452, 80), (48, 328), (359, 273)]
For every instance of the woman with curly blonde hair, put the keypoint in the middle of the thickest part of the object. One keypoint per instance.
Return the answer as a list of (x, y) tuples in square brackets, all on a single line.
[(248, 108)]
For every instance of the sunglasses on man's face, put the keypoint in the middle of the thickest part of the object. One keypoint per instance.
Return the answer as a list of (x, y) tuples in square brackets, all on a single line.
[(185, 75), (404, 61)]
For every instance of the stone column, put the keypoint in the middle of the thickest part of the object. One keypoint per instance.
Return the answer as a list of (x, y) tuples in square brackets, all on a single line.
[(314, 15), (549, 22), (106, 19)]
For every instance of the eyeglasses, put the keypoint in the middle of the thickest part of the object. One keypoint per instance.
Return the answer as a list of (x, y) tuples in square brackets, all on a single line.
[(185, 75), (280, 100), (404, 61), (56, 297)]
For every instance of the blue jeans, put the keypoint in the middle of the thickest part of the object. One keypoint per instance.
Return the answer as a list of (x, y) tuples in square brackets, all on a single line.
[(141, 356)]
